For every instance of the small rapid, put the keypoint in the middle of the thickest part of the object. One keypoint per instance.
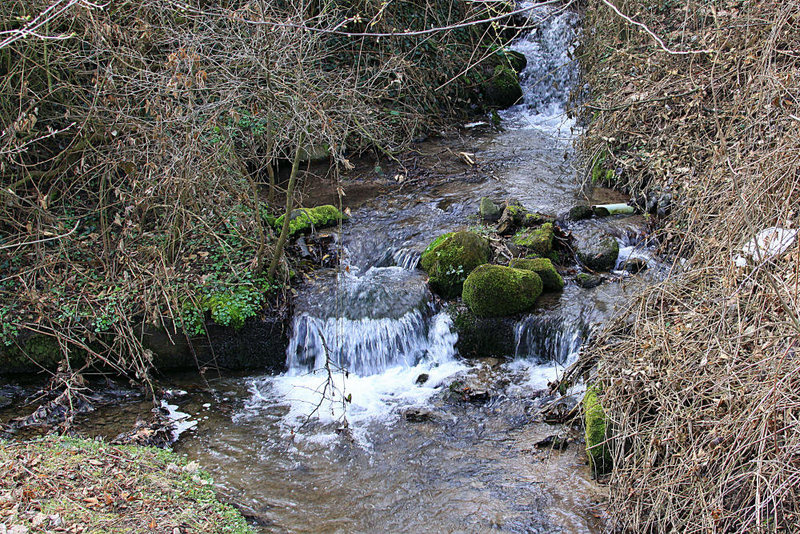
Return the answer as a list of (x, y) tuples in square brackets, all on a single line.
[(379, 424)]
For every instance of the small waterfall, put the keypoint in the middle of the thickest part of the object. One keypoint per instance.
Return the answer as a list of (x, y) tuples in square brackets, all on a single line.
[(368, 323), (362, 346), (552, 71), (548, 338), (406, 258)]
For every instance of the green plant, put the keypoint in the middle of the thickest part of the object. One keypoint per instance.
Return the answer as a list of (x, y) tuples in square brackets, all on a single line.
[(8, 329)]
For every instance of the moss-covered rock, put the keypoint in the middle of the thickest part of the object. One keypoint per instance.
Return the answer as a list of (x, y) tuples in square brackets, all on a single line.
[(450, 258), (516, 60), (532, 219), (303, 219), (513, 216), (539, 240), (579, 213), (551, 280), (597, 252), (503, 89), (494, 290), (596, 435)]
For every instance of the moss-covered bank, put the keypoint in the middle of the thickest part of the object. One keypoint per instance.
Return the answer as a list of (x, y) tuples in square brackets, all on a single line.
[(76, 485)]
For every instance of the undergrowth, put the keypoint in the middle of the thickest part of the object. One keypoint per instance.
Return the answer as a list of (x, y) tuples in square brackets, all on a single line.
[(145, 144), (700, 376)]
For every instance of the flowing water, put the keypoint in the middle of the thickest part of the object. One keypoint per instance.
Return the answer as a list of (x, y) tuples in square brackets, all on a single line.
[(362, 433), (325, 447)]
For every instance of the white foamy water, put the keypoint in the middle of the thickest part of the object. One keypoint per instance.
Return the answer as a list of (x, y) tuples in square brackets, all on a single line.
[(375, 389), (551, 72)]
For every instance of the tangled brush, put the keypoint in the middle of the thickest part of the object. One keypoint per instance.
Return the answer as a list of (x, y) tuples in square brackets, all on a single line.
[(700, 375)]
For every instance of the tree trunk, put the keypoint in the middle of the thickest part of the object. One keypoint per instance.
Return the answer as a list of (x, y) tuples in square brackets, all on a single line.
[(276, 258)]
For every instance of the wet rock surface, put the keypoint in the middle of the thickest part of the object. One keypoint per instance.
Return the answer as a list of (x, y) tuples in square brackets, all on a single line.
[(598, 252)]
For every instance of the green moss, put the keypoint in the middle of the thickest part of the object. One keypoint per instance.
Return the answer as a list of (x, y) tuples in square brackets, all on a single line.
[(535, 219), (32, 353), (494, 290), (70, 477), (450, 258), (503, 89), (435, 243), (540, 240), (303, 219), (515, 210), (551, 280), (595, 426)]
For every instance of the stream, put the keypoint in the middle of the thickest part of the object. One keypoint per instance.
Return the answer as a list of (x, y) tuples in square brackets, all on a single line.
[(362, 433)]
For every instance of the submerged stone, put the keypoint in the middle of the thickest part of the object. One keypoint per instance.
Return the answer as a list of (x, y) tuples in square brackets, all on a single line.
[(588, 281), (418, 415), (635, 265), (551, 280), (450, 258), (494, 290)]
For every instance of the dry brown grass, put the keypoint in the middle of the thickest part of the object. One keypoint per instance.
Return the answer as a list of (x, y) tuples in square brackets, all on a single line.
[(701, 377)]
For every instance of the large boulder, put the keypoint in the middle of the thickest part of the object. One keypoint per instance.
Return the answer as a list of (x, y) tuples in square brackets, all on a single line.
[(495, 291), (451, 258), (538, 240), (597, 252), (302, 220), (551, 280), (480, 337)]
